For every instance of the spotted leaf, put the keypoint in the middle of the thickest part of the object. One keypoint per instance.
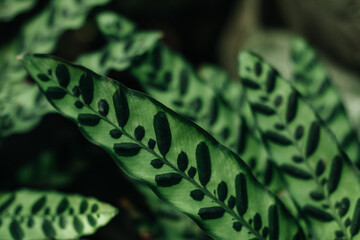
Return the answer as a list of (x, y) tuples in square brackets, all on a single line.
[(211, 163), (29, 214), (323, 164), (312, 79)]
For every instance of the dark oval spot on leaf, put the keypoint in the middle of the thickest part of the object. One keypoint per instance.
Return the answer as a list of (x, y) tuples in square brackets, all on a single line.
[(299, 132), (344, 207), (78, 225), (7, 203), (211, 213), (62, 222), (237, 226), (355, 222), (63, 205), (88, 119), (151, 143), (297, 159), (103, 107), (94, 208), (263, 109), (313, 139), (162, 132), (273, 218), (121, 107), (270, 80), (320, 167), (182, 161), (241, 194), (83, 206), (126, 149), (277, 138), (92, 221), (203, 163), (48, 229), (55, 93), (156, 163), (43, 77), (86, 87), (40, 203), (62, 75), (250, 83), (317, 196), (78, 104), (192, 172), (139, 133), (335, 174), (197, 195), (115, 133), (295, 172), (317, 213), (291, 107), (30, 222), (231, 202), (265, 232), (168, 179), (278, 101), (243, 131), (222, 191), (15, 230)]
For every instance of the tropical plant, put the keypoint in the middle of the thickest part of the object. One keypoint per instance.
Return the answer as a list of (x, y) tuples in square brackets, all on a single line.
[(260, 158)]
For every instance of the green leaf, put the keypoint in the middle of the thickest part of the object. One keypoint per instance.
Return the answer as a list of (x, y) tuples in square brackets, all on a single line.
[(21, 104), (178, 135), (11, 8), (29, 214), (314, 82), (311, 161), (124, 47)]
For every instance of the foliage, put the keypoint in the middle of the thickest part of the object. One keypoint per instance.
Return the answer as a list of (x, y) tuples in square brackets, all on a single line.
[(249, 159), (28, 214)]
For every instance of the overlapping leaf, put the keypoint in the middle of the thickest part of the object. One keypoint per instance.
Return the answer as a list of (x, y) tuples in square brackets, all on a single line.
[(313, 81), (40, 34), (178, 160), (11, 8), (28, 214), (315, 168)]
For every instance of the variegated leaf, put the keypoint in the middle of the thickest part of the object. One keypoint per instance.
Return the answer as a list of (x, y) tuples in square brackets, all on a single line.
[(182, 163), (313, 81), (316, 170), (28, 214)]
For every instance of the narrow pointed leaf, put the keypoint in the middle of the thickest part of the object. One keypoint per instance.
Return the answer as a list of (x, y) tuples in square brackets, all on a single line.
[(170, 182), (324, 166), (29, 214), (312, 79)]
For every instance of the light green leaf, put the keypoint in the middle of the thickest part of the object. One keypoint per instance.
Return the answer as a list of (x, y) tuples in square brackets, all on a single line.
[(313, 81), (11, 8), (22, 106), (182, 163), (316, 170), (29, 214), (121, 54)]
